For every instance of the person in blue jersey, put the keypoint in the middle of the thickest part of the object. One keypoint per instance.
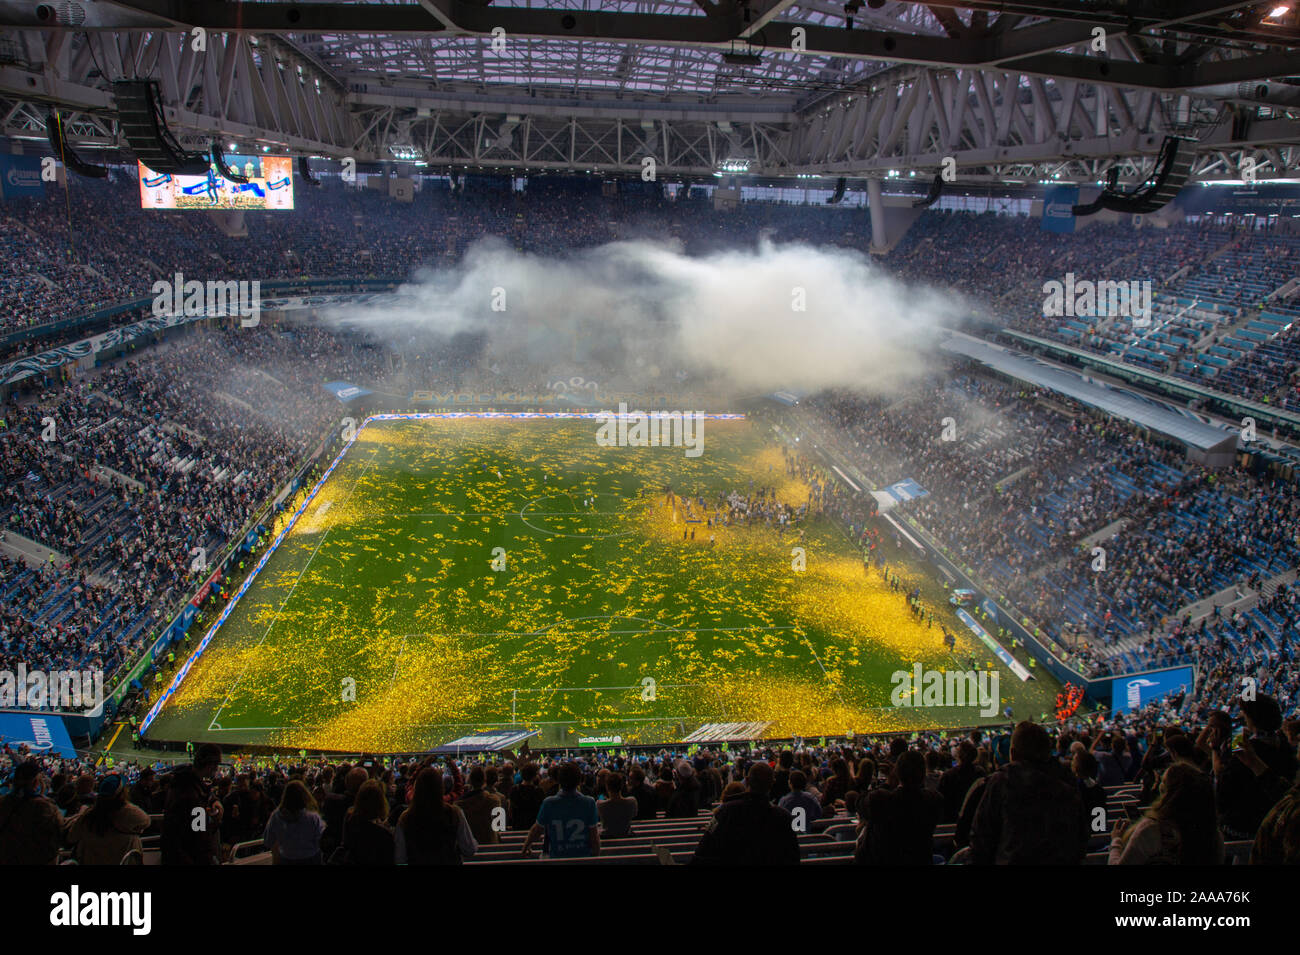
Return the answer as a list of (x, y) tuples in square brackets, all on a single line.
[(569, 820)]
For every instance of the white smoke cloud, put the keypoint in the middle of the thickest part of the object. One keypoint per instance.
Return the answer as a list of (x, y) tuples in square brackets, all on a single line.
[(647, 309)]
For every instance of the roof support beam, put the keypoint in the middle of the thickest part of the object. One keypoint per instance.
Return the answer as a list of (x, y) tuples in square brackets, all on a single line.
[(1031, 49)]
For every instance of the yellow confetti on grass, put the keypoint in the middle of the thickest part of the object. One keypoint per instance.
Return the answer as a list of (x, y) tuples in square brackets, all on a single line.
[(729, 631)]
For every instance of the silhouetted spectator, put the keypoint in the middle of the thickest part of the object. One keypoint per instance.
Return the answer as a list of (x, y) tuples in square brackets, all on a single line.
[(748, 830), (1029, 815), (901, 821)]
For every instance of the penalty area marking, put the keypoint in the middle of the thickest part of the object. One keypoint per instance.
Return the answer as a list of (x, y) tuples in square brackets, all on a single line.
[(655, 627)]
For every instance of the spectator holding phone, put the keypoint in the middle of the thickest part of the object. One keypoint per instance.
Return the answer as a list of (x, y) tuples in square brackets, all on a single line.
[(1180, 828), (1255, 774)]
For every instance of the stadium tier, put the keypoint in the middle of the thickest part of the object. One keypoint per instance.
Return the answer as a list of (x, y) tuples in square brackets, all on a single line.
[(1220, 317), (560, 435)]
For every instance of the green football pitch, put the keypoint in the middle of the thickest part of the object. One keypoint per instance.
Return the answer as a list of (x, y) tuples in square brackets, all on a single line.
[(455, 576)]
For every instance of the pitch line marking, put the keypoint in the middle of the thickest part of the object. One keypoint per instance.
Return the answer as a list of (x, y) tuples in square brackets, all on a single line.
[(398, 662), (569, 494), (424, 726), (632, 686), (297, 581), (214, 727), (826, 676), (655, 629), (509, 513)]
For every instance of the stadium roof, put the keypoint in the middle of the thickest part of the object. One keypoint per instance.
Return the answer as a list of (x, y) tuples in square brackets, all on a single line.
[(660, 70), (1013, 90), (1118, 402)]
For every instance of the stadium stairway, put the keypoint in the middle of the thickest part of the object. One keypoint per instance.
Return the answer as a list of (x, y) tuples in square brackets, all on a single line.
[(1229, 602), (673, 842), (28, 550), (657, 841)]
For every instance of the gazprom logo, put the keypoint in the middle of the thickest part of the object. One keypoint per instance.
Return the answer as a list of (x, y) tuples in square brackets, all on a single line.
[(24, 178), (1135, 688), (1059, 210)]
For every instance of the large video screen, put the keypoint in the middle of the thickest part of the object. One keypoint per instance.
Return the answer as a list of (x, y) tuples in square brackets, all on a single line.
[(269, 186)]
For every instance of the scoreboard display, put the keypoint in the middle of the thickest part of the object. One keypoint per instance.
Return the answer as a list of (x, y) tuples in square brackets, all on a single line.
[(269, 186)]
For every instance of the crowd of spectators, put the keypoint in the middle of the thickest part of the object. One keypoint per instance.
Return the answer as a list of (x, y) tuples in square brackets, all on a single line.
[(60, 262), (1168, 790), (1031, 483), (136, 471), (1208, 284), (129, 470)]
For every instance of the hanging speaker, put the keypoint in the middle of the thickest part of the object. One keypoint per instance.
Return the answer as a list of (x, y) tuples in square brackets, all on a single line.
[(1173, 166), (223, 168), (936, 189), (57, 136), (143, 125)]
